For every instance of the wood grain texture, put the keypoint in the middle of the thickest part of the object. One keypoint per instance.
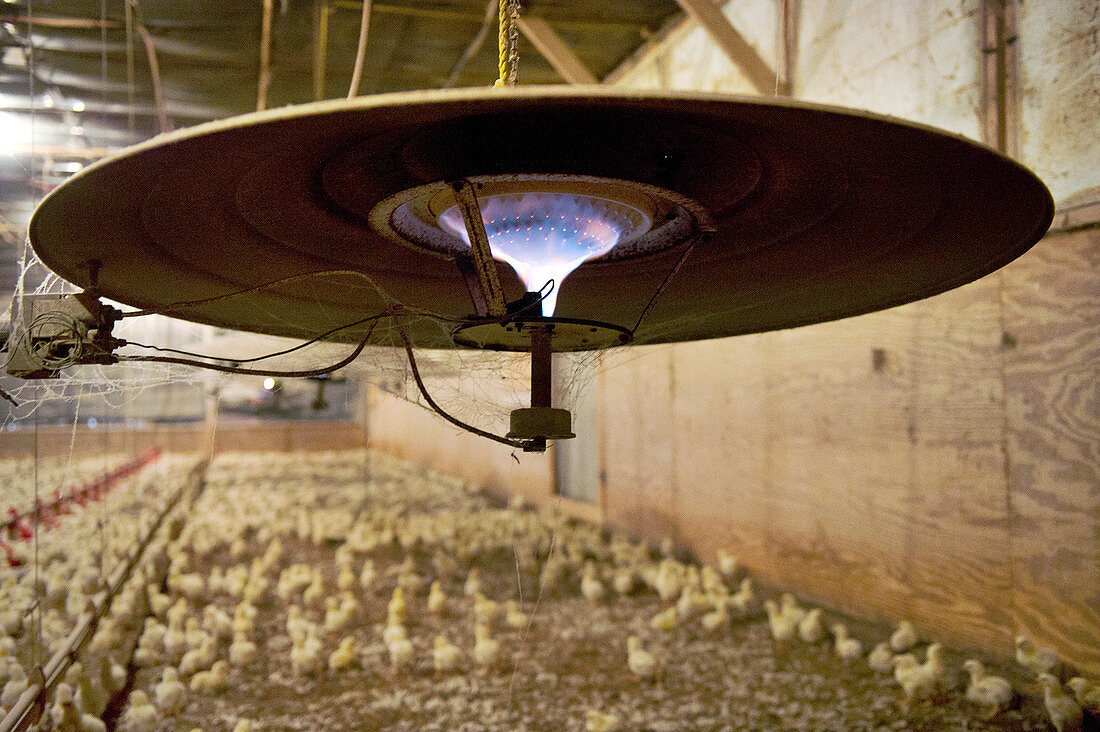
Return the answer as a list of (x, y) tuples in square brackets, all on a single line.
[(938, 461), (1052, 382), (638, 456)]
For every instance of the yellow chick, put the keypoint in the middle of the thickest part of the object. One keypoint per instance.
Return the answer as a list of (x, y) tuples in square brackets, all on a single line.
[(641, 663), (445, 655), (880, 658), (67, 717), (591, 587), (1035, 659), (401, 653), (485, 610), (597, 721), (488, 651), (668, 580), (200, 658), (987, 691), (243, 725), (789, 606), (472, 587), (719, 617), (1087, 693), (140, 716), (742, 600), (367, 576), (314, 594), (783, 627), (846, 648), (396, 608), (214, 681), (344, 656), (437, 600), (1065, 713), (514, 617), (170, 693), (727, 564), (305, 657), (242, 651), (904, 638), (916, 679), (624, 581), (810, 629), (346, 579), (393, 631), (712, 582), (665, 620)]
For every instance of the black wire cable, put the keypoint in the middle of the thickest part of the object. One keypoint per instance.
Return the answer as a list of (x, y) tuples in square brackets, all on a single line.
[(292, 349), (668, 278), (257, 372), (438, 409)]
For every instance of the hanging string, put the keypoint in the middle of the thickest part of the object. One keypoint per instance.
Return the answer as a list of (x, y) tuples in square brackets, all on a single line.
[(507, 42)]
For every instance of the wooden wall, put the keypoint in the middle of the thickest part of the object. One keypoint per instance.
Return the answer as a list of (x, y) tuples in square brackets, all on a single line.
[(938, 461), (418, 435), (248, 436)]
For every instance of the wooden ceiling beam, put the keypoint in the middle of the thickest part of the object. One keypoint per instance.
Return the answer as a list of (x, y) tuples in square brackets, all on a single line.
[(438, 13), (733, 44), (555, 50)]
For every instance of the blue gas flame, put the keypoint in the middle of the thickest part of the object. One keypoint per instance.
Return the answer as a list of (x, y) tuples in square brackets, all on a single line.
[(545, 236)]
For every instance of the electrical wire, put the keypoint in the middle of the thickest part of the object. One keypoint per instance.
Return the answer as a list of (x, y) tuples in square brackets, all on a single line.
[(284, 352), (438, 409), (668, 278), (154, 67), (360, 51), (257, 372), (185, 304)]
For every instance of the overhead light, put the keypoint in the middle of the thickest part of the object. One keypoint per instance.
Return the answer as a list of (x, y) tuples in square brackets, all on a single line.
[(78, 106)]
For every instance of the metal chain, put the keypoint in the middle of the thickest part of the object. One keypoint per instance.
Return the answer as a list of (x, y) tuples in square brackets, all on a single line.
[(513, 42)]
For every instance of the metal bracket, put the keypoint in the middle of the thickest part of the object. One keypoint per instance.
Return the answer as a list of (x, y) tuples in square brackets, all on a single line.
[(491, 296), (57, 331)]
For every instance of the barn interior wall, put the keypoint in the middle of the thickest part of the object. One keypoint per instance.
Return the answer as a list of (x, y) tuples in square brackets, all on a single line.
[(938, 461)]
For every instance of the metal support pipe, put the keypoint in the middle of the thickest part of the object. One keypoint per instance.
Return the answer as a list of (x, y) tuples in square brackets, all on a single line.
[(541, 380)]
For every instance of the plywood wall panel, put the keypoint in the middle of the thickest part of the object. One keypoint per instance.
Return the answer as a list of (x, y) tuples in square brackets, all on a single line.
[(936, 461), (1052, 383), (720, 443), (638, 448)]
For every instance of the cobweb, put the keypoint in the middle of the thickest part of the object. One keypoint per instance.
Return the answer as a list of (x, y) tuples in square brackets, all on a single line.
[(477, 387)]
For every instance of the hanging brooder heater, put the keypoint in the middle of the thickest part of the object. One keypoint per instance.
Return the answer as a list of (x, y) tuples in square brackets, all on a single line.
[(614, 217)]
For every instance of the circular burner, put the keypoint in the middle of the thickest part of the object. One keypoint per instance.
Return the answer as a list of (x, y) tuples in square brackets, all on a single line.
[(653, 219)]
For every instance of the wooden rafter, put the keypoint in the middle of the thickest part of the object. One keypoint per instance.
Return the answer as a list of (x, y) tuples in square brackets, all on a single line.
[(733, 44), (555, 50), (1000, 84)]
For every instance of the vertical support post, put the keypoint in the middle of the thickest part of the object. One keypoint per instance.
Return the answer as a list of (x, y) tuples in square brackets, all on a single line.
[(1000, 83), (541, 379)]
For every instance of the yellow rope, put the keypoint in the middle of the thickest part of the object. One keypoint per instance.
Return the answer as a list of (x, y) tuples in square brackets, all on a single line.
[(502, 42), (507, 42)]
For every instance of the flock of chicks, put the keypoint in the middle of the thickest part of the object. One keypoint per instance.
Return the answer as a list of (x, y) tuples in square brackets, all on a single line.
[(923, 680), (45, 593), (379, 582)]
